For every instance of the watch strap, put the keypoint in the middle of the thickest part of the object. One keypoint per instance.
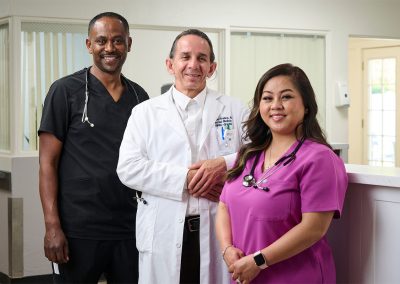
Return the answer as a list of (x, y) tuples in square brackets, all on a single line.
[(260, 260)]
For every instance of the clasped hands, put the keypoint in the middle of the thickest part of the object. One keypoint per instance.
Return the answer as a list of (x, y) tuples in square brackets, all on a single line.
[(206, 178), (243, 268)]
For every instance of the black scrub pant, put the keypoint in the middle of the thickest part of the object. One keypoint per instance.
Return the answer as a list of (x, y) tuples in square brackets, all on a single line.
[(89, 259)]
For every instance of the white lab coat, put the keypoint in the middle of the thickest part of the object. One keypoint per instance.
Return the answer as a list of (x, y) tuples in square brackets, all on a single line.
[(154, 158)]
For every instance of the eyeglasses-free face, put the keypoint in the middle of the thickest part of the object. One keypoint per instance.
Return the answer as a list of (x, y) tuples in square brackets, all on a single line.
[(281, 106)]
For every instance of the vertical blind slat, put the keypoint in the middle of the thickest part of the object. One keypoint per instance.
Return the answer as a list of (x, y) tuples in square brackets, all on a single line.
[(44, 59)]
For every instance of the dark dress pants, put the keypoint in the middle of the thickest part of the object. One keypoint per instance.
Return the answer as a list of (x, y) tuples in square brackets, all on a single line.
[(190, 263)]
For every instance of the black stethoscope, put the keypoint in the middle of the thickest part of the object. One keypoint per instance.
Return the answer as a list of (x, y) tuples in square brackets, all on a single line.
[(85, 117), (250, 181)]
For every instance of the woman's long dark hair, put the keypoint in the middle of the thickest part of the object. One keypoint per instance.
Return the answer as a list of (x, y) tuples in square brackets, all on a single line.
[(258, 133)]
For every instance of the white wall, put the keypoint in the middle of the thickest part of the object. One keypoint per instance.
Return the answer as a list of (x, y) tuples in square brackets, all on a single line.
[(4, 7)]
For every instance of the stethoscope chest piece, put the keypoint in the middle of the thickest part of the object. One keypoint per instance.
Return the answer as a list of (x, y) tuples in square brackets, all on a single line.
[(248, 180)]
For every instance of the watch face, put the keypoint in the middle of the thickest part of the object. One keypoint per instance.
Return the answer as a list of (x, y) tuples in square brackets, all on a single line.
[(259, 259)]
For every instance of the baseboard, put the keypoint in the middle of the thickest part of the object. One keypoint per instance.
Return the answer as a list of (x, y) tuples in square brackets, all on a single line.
[(38, 279)]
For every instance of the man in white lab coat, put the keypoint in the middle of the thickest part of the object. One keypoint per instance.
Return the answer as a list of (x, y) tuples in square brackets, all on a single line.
[(176, 150)]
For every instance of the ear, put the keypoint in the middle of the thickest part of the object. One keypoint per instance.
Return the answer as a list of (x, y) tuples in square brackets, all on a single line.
[(212, 69), (169, 65), (306, 111), (89, 45), (129, 44)]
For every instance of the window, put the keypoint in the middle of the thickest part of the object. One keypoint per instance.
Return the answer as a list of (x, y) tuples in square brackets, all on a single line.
[(252, 54), (48, 52), (381, 75), (4, 90)]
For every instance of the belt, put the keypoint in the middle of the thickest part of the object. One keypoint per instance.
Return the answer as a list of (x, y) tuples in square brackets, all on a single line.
[(192, 223)]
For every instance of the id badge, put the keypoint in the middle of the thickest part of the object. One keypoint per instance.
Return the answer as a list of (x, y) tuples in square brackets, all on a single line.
[(225, 134)]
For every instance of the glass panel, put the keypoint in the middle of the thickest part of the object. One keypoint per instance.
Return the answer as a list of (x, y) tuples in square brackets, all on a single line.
[(375, 122), (376, 89), (375, 146), (389, 123), (48, 52), (389, 97), (375, 71), (389, 144), (375, 98), (375, 163), (382, 111), (389, 71), (387, 164), (4, 90)]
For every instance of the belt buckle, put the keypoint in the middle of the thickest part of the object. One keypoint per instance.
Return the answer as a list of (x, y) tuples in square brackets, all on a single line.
[(193, 227)]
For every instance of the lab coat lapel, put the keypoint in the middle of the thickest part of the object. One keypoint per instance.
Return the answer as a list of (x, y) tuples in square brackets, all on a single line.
[(169, 114), (212, 109)]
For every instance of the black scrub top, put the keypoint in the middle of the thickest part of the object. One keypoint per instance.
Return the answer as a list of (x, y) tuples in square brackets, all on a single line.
[(93, 203)]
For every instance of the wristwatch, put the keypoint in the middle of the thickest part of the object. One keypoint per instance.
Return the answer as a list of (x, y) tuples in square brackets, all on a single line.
[(259, 259)]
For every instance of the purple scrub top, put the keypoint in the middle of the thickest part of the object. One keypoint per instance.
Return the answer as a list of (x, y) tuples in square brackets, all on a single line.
[(315, 181)]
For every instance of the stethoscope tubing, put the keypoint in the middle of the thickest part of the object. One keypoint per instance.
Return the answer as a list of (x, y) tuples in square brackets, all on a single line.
[(85, 117), (249, 180)]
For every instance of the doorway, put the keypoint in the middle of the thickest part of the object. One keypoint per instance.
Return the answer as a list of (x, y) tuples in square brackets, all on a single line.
[(374, 86)]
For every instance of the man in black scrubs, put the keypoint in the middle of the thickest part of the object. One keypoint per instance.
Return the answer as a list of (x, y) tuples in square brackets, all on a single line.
[(89, 214)]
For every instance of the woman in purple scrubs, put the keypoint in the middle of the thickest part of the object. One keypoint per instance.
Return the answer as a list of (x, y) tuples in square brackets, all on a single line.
[(285, 188)]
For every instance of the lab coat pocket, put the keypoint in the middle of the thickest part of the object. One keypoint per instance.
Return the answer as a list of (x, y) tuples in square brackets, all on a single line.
[(145, 223)]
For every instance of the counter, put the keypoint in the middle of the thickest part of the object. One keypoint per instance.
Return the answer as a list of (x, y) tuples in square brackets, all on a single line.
[(365, 241)]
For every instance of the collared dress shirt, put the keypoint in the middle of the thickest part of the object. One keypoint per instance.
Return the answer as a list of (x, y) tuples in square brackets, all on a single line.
[(191, 111)]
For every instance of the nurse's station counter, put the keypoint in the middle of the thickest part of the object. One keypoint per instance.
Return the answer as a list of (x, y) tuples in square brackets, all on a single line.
[(366, 240)]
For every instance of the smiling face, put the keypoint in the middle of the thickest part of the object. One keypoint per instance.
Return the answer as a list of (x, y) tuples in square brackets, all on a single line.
[(191, 65), (281, 106), (109, 44)]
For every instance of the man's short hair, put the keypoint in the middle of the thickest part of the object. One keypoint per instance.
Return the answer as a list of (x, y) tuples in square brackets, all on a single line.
[(110, 15), (192, 32)]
